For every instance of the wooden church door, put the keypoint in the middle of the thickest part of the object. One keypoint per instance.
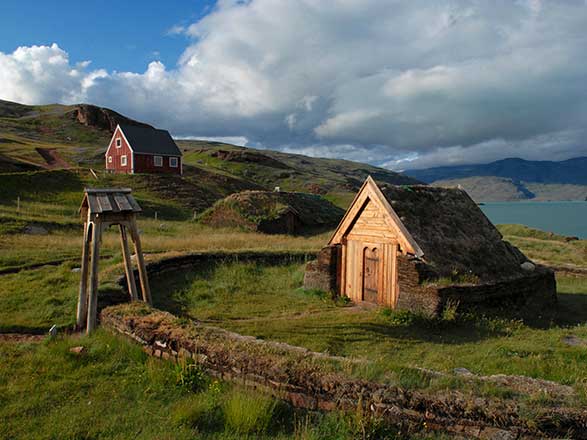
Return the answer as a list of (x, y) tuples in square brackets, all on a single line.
[(370, 274)]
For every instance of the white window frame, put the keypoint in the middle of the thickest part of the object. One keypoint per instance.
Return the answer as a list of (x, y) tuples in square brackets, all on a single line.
[(109, 159), (158, 161), (174, 162), (118, 142), (123, 161)]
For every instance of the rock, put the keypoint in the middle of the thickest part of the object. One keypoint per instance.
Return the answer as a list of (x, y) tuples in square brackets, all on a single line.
[(574, 341), (462, 372), (79, 350), (102, 118), (76, 269), (527, 266), (573, 238), (35, 230)]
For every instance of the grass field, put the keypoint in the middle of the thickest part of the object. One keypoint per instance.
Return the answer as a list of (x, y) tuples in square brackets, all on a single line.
[(268, 302), (114, 391), (139, 397)]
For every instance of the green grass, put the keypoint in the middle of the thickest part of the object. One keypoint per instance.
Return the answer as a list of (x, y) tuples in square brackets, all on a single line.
[(115, 391), (546, 247), (267, 302)]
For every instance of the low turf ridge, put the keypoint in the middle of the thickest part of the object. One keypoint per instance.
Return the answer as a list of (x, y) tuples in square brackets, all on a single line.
[(113, 390)]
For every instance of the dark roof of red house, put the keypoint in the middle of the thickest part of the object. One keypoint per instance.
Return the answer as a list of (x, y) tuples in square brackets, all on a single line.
[(146, 140)]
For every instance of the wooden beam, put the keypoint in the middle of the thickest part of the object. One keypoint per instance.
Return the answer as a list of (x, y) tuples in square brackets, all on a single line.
[(141, 263), (93, 297), (130, 278), (82, 303)]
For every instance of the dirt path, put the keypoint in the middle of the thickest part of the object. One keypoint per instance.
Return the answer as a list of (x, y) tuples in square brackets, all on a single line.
[(53, 159), (20, 338)]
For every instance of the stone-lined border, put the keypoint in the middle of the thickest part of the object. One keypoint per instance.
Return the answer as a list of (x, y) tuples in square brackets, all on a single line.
[(305, 380)]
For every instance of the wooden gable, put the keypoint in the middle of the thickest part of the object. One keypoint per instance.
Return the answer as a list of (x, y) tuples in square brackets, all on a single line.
[(370, 216)]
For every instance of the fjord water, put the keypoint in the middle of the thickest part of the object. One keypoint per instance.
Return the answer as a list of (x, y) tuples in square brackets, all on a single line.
[(565, 218)]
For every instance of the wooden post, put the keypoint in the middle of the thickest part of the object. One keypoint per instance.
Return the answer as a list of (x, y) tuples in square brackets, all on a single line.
[(93, 297), (141, 263), (82, 303), (18, 204), (130, 278)]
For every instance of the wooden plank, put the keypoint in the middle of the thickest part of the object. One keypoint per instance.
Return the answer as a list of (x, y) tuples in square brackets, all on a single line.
[(122, 202), (82, 303), (107, 190), (146, 290), (393, 276), (104, 202), (93, 204), (130, 278), (115, 208), (372, 238), (133, 203), (93, 296)]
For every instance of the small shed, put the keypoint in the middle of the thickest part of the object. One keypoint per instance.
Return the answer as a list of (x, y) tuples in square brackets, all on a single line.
[(100, 209), (415, 247)]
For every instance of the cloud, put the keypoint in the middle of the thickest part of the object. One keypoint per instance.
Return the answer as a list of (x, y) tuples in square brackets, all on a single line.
[(391, 82)]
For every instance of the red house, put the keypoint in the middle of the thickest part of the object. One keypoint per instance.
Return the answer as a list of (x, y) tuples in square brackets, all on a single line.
[(135, 149)]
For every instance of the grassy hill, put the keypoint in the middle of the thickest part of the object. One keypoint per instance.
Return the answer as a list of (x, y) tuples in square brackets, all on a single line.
[(273, 212), (77, 136)]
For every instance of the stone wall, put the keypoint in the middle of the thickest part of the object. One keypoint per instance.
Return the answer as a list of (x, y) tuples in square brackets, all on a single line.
[(322, 273), (413, 294), (305, 380), (535, 290)]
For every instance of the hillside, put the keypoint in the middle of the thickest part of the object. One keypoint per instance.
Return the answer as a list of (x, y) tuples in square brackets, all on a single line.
[(514, 179), (58, 136)]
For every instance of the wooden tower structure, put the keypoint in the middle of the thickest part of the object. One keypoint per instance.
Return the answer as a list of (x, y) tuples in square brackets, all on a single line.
[(100, 209)]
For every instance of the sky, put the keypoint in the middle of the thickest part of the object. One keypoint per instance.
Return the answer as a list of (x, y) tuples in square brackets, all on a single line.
[(400, 84)]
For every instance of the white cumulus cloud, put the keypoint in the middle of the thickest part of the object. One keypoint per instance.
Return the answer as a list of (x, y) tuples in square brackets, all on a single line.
[(393, 82)]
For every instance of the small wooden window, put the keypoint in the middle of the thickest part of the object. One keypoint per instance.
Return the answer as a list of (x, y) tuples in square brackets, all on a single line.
[(123, 161), (109, 159), (158, 160), (173, 162), (118, 143)]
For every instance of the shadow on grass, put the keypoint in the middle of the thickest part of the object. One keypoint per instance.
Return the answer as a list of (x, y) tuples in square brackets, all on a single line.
[(572, 309)]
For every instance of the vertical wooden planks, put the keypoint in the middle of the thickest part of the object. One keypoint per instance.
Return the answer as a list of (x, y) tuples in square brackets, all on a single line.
[(141, 262), (130, 278), (82, 303), (394, 282), (93, 297)]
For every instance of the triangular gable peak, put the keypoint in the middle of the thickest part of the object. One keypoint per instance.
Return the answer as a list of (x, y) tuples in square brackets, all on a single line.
[(371, 194), (118, 130)]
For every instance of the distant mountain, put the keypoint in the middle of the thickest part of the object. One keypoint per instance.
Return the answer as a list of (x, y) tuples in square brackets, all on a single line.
[(513, 179), (571, 171)]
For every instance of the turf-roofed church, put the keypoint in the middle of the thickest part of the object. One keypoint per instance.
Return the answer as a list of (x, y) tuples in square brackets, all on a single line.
[(142, 149), (420, 247)]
